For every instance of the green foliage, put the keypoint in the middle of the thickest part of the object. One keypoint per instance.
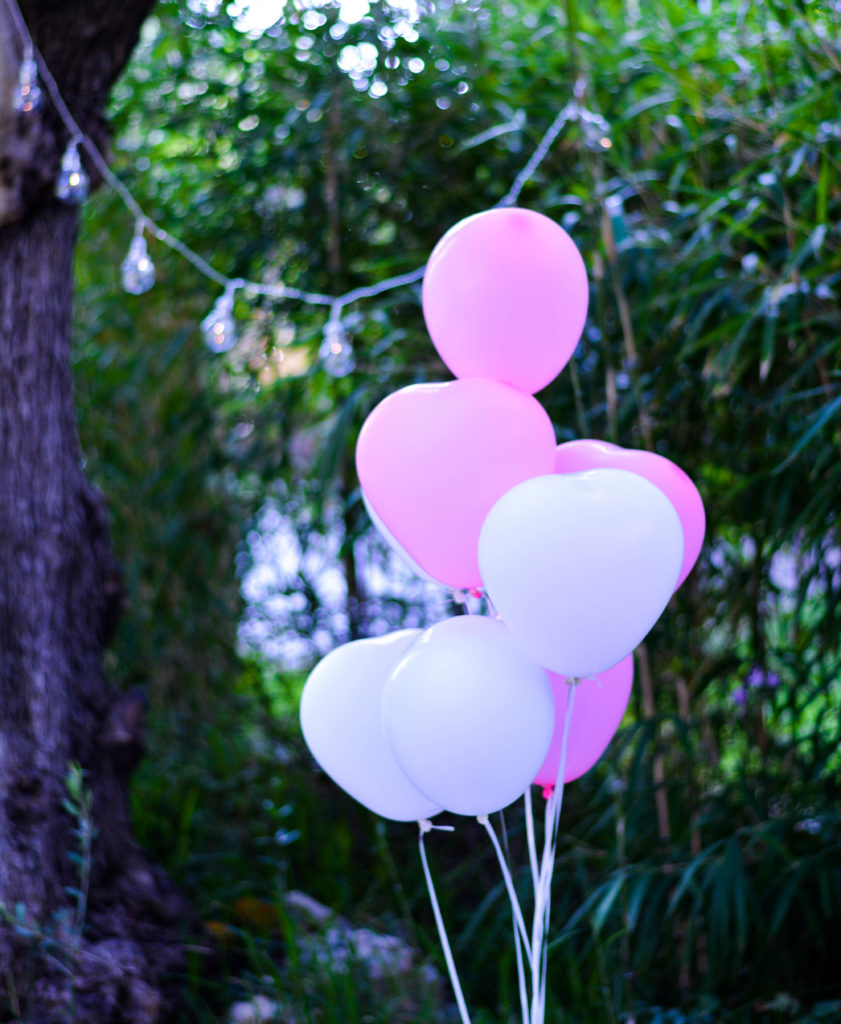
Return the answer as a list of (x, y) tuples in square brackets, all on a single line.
[(699, 877)]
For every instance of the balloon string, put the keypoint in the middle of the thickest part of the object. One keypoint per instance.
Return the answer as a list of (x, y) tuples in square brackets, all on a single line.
[(492, 612), (558, 795), (463, 598), (520, 944), (538, 926), (427, 826), (530, 839), (557, 800), (509, 883), (521, 971), (540, 923)]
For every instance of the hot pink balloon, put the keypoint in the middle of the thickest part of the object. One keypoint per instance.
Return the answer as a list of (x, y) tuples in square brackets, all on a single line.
[(505, 296), (579, 456), (597, 712), (434, 458)]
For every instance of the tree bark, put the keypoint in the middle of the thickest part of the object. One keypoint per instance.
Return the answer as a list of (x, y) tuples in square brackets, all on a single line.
[(92, 941)]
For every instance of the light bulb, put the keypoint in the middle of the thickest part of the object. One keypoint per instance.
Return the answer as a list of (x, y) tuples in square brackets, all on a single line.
[(218, 327), (336, 352), (595, 131), (137, 271), (27, 98), (73, 183)]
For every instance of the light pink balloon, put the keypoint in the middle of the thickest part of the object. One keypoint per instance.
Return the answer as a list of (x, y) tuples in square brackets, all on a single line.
[(434, 458), (505, 296), (597, 712), (579, 456)]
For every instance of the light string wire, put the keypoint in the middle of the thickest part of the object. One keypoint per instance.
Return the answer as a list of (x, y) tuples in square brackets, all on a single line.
[(278, 291)]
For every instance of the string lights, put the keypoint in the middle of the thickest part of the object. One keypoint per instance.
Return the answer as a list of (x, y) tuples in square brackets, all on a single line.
[(336, 352), (137, 271), (219, 328), (73, 182), (27, 98)]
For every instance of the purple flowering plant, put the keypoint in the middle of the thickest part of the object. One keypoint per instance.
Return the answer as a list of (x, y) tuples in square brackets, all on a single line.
[(758, 678)]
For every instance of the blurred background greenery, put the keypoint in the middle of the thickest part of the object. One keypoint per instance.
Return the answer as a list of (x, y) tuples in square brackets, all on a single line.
[(699, 872)]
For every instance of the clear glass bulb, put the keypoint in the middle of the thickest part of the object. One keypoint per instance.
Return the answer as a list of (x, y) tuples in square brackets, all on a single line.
[(73, 183), (137, 271), (218, 327), (336, 352), (28, 96), (595, 131)]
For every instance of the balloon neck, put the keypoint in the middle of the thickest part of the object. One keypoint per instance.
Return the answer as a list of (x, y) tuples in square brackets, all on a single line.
[(573, 680), (547, 792), (426, 826), (475, 591)]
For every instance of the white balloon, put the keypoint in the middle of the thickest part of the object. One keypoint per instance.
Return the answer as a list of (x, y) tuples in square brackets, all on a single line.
[(468, 715), (581, 565), (341, 718)]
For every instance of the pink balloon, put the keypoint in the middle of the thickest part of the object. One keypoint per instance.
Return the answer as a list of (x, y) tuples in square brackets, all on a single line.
[(579, 456), (433, 459), (505, 296), (597, 712)]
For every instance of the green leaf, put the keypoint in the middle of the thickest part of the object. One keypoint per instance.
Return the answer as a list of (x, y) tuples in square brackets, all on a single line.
[(607, 897)]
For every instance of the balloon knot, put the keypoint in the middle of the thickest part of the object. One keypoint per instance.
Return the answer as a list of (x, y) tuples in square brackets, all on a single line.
[(475, 591), (483, 819), (425, 825), (573, 680), (547, 792)]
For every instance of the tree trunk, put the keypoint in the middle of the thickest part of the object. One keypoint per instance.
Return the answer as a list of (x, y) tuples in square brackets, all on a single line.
[(95, 937)]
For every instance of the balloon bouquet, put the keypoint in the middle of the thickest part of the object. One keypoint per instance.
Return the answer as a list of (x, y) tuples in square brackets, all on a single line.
[(576, 550)]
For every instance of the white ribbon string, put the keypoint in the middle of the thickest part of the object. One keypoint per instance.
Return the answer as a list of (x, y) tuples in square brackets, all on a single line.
[(424, 827), (521, 936), (538, 926), (532, 845), (540, 923), (509, 883), (521, 971), (520, 944)]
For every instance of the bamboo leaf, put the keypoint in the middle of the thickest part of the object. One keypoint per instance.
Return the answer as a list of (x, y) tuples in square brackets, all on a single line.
[(610, 893), (783, 903), (819, 420)]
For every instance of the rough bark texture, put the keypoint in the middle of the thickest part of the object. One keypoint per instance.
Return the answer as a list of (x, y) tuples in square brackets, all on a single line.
[(60, 595)]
